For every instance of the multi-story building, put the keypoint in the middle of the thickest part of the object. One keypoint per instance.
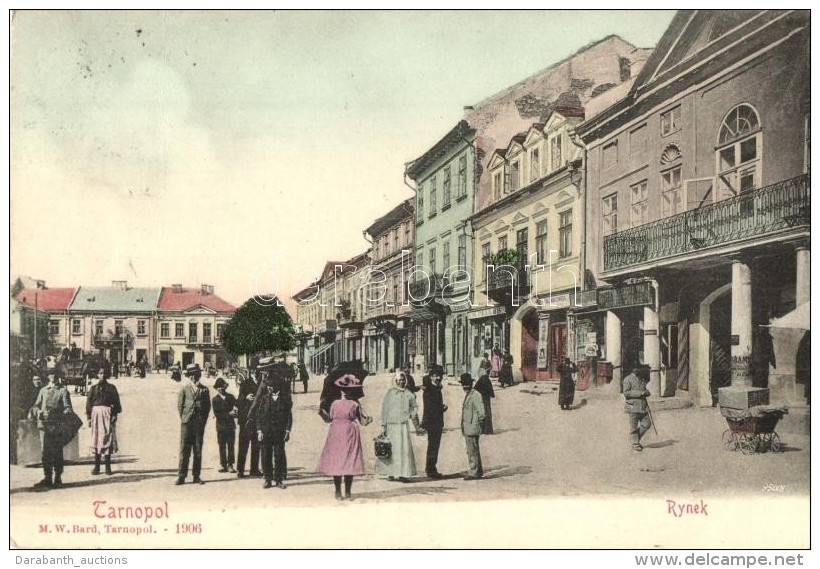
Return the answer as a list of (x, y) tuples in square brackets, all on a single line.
[(118, 321), (439, 287), (388, 309), (350, 311), (698, 204), (319, 308), (523, 202), (529, 265), (189, 326)]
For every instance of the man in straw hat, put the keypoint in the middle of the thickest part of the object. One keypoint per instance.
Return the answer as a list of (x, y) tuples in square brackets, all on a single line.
[(194, 405)]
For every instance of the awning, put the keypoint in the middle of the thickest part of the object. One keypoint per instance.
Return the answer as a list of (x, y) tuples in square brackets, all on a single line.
[(797, 319), (321, 350)]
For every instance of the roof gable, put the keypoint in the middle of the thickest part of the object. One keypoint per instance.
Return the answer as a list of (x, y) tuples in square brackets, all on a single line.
[(497, 159), (178, 299), (534, 135), (199, 309)]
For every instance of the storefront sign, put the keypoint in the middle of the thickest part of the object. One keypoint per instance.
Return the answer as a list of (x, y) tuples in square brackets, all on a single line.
[(636, 294), (543, 342), (370, 332), (488, 312), (352, 333), (555, 302)]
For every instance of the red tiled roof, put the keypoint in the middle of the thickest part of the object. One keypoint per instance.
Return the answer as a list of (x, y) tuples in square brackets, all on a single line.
[(48, 299), (190, 298)]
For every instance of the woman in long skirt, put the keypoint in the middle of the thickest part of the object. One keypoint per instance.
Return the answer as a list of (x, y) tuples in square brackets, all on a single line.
[(342, 455), (399, 409), (566, 389), (102, 408)]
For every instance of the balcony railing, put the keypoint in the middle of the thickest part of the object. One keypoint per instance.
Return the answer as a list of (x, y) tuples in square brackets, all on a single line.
[(753, 213), (423, 289), (508, 281)]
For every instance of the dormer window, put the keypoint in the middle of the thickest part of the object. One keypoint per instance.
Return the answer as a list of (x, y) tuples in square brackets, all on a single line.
[(498, 184), (535, 164), (556, 152), (515, 175)]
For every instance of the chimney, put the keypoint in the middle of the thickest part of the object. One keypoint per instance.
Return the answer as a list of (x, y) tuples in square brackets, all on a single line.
[(177, 288), (41, 285), (468, 109), (121, 285), (207, 289)]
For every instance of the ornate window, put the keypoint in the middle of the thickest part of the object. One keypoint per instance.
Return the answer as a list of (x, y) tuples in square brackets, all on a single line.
[(738, 154)]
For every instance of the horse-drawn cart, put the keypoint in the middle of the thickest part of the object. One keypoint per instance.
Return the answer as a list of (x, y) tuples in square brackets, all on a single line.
[(752, 430)]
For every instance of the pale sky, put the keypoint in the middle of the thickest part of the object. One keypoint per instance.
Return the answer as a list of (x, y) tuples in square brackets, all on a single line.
[(224, 147)]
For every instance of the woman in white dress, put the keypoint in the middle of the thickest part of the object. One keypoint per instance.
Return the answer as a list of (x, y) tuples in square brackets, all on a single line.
[(399, 409)]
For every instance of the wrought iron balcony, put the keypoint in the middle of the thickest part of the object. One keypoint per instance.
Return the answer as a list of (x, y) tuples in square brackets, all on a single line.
[(326, 327), (508, 281), (754, 213), (422, 290)]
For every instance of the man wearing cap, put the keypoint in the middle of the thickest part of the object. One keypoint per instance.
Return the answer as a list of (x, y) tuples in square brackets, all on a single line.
[(50, 408), (247, 430), (472, 421), (225, 410), (433, 419), (635, 394), (194, 405), (274, 419)]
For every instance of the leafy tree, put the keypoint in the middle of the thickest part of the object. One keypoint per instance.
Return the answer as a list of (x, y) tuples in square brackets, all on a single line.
[(257, 327)]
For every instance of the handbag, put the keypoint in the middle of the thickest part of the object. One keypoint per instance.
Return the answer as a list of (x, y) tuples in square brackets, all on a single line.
[(70, 427), (382, 446)]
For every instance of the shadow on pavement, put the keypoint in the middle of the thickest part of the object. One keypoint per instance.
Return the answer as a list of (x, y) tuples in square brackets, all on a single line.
[(404, 490), (510, 430), (116, 478), (507, 471), (661, 444)]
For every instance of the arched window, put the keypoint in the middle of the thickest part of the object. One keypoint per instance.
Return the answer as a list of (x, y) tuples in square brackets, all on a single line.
[(739, 152)]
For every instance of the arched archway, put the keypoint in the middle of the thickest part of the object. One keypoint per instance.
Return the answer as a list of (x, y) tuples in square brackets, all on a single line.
[(524, 342)]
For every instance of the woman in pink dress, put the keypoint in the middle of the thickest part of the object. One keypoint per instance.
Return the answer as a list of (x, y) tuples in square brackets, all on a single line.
[(342, 455)]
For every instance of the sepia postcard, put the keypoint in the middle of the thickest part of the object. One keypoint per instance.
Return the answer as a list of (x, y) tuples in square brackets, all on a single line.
[(375, 279)]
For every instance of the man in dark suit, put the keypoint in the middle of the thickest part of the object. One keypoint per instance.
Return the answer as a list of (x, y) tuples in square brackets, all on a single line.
[(274, 418), (194, 405), (224, 406), (247, 432), (433, 419)]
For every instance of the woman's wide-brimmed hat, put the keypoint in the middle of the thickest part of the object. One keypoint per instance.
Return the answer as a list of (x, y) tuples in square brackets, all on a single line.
[(348, 381)]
